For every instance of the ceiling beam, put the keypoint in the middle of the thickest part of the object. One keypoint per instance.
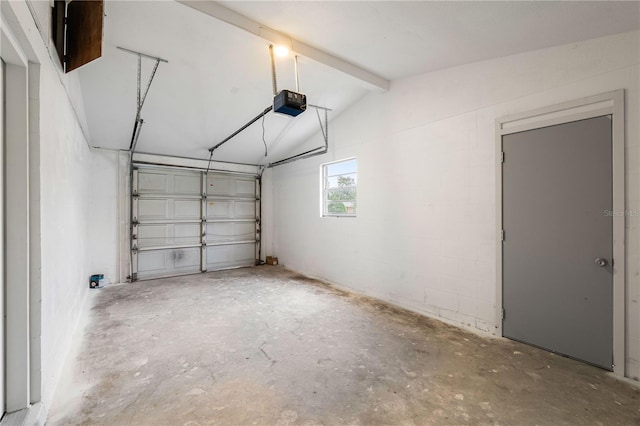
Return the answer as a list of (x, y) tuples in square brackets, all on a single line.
[(368, 79)]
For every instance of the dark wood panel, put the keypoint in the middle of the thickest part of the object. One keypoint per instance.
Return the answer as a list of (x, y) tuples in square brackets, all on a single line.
[(57, 28), (84, 32)]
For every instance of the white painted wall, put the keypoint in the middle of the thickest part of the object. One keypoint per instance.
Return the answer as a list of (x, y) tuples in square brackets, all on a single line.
[(425, 234), (103, 208), (65, 219), (62, 179)]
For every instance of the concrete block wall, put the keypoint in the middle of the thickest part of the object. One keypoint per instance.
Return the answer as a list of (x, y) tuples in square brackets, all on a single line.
[(65, 188), (425, 234), (103, 206)]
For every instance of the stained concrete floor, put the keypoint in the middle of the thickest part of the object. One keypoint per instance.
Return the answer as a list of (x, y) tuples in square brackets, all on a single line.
[(267, 346)]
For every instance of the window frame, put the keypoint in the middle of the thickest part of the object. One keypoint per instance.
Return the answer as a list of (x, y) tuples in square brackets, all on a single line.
[(324, 190)]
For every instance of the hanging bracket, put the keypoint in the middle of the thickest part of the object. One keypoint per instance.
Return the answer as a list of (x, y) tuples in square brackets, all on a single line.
[(141, 97), (324, 129), (274, 80)]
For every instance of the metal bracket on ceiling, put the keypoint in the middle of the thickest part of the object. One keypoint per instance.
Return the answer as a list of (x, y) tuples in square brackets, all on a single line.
[(295, 64), (274, 80), (324, 128), (141, 97)]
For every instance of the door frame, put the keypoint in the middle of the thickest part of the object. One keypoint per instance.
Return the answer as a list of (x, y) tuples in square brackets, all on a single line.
[(610, 103), (23, 363), (17, 358)]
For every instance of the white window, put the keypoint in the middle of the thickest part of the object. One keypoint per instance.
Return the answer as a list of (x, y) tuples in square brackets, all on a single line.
[(339, 181)]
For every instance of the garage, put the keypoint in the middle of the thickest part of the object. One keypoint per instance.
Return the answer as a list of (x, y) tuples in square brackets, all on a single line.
[(369, 212)]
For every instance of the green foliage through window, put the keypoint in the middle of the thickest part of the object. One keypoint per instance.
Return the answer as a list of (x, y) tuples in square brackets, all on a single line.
[(339, 188)]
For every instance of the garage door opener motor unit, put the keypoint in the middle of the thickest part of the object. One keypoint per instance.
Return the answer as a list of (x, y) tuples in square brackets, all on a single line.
[(290, 103)]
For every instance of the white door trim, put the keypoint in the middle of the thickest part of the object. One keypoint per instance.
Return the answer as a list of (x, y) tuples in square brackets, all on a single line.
[(16, 223), (589, 107), (23, 361), (2, 246)]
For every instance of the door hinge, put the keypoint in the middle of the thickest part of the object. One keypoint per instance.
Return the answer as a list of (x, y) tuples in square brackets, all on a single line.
[(502, 157), (502, 314), (502, 235)]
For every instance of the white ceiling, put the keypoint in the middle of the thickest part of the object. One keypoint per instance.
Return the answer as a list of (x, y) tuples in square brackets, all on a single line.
[(218, 76), (402, 38)]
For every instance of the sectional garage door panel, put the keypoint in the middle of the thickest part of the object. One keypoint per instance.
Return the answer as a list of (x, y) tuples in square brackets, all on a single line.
[(167, 222), (168, 182), (230, 256), (179, 227), (221, 209), (156, 209), (231, 221), (219, 185), (169, 234), (168, 262), (227, 232), (244, 209)]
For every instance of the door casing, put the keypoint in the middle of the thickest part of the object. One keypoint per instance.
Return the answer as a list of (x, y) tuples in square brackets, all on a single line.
[(2, 285), (593, 106)]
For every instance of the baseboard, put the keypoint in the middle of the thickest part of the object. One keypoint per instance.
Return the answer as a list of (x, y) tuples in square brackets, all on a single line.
[(34, 415)]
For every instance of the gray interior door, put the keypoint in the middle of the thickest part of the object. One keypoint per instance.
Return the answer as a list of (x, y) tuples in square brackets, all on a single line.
[(558, 239)]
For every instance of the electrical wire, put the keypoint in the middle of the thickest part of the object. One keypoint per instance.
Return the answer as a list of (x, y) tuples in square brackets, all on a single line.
[(263, 139)]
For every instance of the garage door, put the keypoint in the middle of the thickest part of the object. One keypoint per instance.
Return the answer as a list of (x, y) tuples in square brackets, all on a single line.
[(181, 228)]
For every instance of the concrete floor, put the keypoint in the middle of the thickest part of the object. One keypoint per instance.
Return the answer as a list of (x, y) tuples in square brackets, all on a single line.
[(267, 346)]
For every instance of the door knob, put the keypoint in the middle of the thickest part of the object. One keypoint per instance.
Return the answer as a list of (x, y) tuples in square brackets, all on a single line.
[(601, 262)]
